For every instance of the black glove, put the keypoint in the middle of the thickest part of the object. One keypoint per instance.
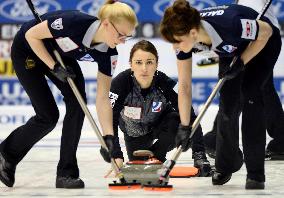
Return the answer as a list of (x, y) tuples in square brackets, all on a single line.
[(62, 74), (182, 137), (113, 147), (237, 67)]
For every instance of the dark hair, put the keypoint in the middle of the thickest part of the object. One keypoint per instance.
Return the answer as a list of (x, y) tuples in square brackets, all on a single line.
[(178, 20), (146, 46)]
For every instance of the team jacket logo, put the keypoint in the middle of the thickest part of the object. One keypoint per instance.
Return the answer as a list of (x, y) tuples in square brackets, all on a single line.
[(87, 57), (156, 107), (229, 48), (212, 13), (112, 97), (57, 24)]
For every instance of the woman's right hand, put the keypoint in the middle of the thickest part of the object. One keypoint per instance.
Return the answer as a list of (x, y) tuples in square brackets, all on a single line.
[(62, 73)]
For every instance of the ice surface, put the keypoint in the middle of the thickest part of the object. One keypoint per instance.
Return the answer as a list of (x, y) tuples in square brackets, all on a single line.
[(35, 175)]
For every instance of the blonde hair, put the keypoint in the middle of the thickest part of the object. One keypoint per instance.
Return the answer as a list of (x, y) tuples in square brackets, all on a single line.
[(117, 11)]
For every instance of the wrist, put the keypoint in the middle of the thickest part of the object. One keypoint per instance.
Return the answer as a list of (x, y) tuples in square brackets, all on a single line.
[(181, 126), (107, 132), (55, 66), (241, 63), (106, 136), (117, 154)]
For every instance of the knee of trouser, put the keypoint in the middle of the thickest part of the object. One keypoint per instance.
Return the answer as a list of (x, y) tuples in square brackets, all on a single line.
[(54, 118), (197, 137), (48, 118), (73, 102), (72, 98), (229, 112), (252, 97)]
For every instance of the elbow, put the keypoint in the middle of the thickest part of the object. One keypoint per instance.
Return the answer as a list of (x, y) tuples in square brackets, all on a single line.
[(265, 33), (28, 35), (268, 32)]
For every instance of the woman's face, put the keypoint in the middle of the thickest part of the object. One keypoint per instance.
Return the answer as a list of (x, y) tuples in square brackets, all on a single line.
[(186, 42), (144, 65), (118, 33)]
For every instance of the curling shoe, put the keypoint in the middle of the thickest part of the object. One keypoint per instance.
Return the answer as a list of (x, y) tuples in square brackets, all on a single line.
[(7, 172), (210, 143), (254, 185), (220, 178), (69, 182), (201, 162), (210, 152), (271, 155)]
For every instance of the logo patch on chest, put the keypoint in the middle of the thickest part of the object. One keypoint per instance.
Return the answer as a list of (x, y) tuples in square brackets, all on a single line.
[(66, 44), (132, 112), (156, 107), (87, 57), (229, 48)]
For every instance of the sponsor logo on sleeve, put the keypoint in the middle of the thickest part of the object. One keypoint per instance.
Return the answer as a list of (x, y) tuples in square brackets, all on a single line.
[(66, 44), (113, 62), (249, 29), (57, 24), (112, 97), (156, 107)]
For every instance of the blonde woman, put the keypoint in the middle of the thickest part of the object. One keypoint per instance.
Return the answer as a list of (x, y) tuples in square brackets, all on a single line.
[(77, 36)]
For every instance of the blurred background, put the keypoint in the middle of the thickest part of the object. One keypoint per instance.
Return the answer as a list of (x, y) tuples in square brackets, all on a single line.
[(15, 108)]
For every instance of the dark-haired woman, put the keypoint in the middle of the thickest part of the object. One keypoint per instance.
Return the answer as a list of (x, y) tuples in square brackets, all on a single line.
[(274, 115), (228, 30), (145, 108)]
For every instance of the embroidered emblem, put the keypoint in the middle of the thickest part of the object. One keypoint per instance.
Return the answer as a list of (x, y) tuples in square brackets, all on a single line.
[(57, 24)]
